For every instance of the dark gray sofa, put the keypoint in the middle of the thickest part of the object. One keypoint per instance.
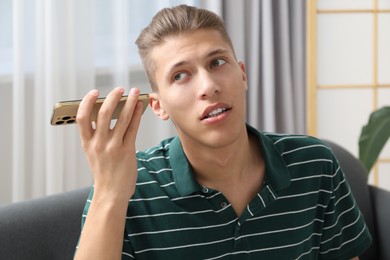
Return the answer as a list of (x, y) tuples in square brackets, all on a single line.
[(49, 228), (373, 202), (45, 228)]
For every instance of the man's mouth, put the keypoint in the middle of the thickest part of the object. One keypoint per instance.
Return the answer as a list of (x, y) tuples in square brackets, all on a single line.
[(216, 112)]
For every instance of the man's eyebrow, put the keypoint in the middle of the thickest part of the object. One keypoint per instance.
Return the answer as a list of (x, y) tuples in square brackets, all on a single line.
[(217, 52), (176, 65), (210, 54)]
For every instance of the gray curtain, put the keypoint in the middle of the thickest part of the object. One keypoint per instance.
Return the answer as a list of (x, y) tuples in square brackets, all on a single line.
[(269, 36)]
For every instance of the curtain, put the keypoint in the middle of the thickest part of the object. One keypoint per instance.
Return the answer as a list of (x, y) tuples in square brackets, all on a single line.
[(58, 50), (269, 36), (53, 59)]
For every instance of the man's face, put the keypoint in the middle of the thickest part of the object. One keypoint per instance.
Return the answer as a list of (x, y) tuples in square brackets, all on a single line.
[(201, 87)]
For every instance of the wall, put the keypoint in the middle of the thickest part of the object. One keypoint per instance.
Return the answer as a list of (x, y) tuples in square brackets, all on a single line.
[(349, 67), (5, 142)]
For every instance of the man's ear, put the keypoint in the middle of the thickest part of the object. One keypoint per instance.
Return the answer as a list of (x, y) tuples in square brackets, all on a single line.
[(243, 71), (155, 104)]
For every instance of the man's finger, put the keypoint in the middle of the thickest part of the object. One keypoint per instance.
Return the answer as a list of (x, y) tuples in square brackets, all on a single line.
[(83, 117), (127, 113), (106, 110), (132, 129)]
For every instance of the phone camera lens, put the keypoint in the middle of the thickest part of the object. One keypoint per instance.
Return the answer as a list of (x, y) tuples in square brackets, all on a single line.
[(66, 118), (59, 122)]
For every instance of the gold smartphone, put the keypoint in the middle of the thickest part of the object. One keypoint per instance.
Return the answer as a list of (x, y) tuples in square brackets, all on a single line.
[(64, 112)]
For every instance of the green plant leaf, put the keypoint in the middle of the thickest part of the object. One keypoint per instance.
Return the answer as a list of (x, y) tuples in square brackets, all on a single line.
[(374, 136)]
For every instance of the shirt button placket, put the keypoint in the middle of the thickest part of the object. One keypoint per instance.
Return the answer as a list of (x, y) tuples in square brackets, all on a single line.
[(224, 204), (237, 242)]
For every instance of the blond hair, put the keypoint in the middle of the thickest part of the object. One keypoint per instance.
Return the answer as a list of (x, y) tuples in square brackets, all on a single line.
[(173, 21)]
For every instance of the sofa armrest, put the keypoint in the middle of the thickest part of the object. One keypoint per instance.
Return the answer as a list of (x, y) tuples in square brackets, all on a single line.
[(381, 204), (44, 228)]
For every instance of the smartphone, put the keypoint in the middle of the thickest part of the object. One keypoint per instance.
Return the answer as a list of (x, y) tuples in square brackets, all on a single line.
[(64, 112)]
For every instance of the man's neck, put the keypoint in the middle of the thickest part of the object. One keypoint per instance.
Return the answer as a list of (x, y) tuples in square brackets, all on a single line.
[(236, 170), (216, 167)]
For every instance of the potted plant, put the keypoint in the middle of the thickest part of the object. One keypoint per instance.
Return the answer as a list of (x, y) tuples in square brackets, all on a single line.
[(374, 136)]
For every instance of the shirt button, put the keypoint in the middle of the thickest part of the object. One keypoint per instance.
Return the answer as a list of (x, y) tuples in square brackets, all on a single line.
[(223, 204), (205, 190)]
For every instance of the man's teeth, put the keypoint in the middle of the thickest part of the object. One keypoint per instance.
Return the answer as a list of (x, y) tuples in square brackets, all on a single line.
[(216, 112)]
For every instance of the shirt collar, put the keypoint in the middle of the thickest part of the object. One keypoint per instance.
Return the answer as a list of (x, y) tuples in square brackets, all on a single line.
[(276, 171), (182, 171), (277, 174)]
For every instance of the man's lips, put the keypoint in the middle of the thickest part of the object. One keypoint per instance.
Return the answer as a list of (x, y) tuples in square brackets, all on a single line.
[(213, 111)]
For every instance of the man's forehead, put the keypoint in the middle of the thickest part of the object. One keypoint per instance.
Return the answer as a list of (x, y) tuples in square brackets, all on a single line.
[(186, 60), (175, 51)]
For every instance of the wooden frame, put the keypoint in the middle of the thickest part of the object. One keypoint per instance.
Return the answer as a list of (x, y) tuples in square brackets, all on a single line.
[(311, 78)]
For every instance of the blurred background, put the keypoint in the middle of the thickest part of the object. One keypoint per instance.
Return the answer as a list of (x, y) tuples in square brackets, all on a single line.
[(348, 72), (314, 67)]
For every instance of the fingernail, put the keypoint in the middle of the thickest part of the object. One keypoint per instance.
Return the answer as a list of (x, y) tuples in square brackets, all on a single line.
[(120, 89), (134, 91), (93, 92)]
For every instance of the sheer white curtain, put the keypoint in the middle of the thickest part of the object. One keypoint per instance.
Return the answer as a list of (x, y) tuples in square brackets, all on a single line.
[(53, 59), (58, 50)]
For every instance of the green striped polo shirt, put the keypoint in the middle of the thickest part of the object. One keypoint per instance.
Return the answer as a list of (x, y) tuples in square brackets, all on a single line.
[(304, 211)]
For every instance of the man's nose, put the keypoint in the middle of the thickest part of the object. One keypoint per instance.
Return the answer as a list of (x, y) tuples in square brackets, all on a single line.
[(208, 86)]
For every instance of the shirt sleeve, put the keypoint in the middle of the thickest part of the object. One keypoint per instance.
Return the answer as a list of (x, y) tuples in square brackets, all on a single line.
[(345, 234)]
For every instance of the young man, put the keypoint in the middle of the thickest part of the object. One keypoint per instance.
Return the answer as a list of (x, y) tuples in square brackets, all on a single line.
[(221, 189)]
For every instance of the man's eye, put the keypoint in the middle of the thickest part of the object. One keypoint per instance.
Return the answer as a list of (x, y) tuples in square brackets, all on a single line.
[(218, 62), (179, 76)]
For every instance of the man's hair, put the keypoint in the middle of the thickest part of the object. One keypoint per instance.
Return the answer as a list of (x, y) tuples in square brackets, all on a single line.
[(174, 21)]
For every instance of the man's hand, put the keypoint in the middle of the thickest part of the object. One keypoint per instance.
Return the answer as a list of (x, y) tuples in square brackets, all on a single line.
[(111, 156), (111, 152)]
